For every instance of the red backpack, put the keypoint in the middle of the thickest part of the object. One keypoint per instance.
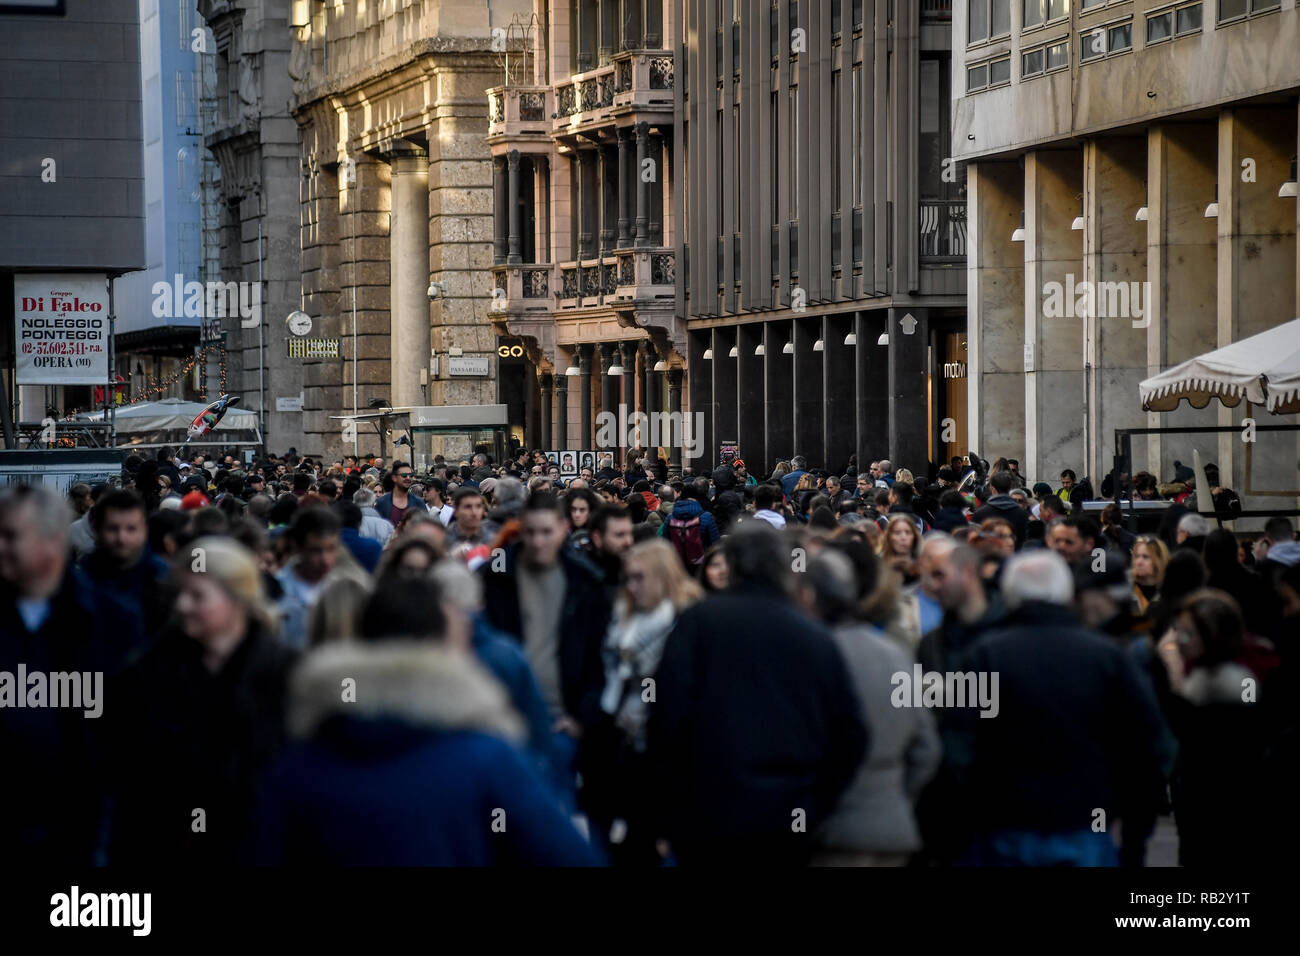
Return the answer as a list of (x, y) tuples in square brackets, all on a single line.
[(688, 538)]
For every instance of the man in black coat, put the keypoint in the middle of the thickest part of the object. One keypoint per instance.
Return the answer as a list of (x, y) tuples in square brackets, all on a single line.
[(755, 731), (122, 562), (553, 602), (1074, 740), (53, 621)]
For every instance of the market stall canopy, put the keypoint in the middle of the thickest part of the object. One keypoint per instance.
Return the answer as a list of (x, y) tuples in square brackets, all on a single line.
[(1264, 369), (152, 424)]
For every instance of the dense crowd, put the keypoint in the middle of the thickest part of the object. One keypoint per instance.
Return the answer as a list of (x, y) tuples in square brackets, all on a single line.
[(352, 663)]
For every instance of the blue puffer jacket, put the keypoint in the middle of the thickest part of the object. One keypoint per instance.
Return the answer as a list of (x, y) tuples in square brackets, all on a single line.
[(420, 769)]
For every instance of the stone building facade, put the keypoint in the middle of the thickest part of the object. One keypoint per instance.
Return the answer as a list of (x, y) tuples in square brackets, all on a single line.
[(823, 231), (584, 225), (1144, 143), (255, 142), (395, 188)]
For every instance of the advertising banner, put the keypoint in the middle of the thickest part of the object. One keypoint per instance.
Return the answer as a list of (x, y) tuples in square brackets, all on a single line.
[(61, 328)]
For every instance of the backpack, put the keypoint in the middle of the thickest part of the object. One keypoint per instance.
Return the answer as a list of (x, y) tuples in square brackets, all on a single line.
[(688, 538)]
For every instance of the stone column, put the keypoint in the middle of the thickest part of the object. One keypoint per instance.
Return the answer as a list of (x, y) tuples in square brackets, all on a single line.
[(1115, 266), (500, 210), (778, 374), (1256, 281), (675, 409), (649, 382), (1181, 266), (546, 381), (561, 410), (642, 187), (609, 392), (409, 348), (512, 159), (624, 151), (654, 202), (806, 404), (751, 387), (584, 363), (909, 420), (871, 389), (726, 421), (840, 415), (1054, 393), (628, 350)]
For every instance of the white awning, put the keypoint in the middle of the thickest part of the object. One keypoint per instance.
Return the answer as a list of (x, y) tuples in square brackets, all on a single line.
[(171, 413), (1264, 369)]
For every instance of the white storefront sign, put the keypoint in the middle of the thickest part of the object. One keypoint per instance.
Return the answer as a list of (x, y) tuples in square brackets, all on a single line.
[(468, 365), (61, 328)]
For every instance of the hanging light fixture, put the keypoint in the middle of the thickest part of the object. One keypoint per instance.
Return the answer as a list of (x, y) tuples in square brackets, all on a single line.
[(734, 353), (573, 370), (817, 346), (708, 355), (884, 339), (761, 350), (1019, 234), (1212, 210), (1141, 214), (662, 366), (788, 349), (1289, 187), (851, 338)]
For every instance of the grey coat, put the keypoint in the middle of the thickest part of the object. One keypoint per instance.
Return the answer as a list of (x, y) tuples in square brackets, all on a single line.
[(875, 813)]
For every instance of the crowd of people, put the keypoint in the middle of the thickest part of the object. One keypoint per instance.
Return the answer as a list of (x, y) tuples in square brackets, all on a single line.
[(353, 663)]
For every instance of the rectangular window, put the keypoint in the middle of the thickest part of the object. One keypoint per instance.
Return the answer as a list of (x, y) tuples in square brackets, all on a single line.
[(857, 134), (797, 134), (857, 14), (977, 21), (1058, 56), (1031, 64), (1188, 19), (836, 166), (1034, 12), (1089, 4), (977, 77), (774, 31), (1160, 27), (1092, 44), (835, 16), (1000, 71), (1120, 38), (1056, 9), (1231, 9), (1000, 11)]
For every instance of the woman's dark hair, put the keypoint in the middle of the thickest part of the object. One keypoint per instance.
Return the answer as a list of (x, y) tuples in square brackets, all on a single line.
[(1184, 574), (1218, 623), (404, 607), (1220, 552), (866, 565), (391, 565), (822, 517), (709, 555), (593, 500), (163, 525)]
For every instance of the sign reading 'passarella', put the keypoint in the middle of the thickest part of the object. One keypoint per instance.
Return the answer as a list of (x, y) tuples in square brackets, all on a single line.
[(61, 329)]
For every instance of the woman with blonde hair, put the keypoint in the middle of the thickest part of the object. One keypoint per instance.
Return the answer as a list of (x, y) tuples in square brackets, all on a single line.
[(200, 712), (656, 589), (336, 615), (900, 546), (1150, 558)]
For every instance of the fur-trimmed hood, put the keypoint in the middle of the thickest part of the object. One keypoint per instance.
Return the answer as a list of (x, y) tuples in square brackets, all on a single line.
[(419, 683), (1218, 685)]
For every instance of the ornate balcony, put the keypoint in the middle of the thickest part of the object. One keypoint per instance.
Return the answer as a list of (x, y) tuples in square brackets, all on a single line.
[(517, 112), (646, 275), (586, 100), (645, 81)]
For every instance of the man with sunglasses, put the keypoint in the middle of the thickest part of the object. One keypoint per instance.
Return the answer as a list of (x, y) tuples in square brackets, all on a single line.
[(394, 505)]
